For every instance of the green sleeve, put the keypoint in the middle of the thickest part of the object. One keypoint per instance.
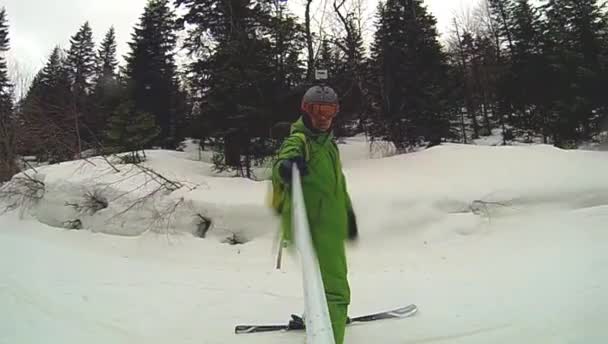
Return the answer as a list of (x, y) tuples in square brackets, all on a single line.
[(349, 204), (291, 148)]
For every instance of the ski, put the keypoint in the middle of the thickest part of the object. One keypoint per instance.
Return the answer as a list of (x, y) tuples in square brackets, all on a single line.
[(297, 323)]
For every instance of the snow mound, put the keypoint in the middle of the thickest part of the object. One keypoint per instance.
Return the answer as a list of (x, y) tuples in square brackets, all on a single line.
[(168, 194), (454, 188)]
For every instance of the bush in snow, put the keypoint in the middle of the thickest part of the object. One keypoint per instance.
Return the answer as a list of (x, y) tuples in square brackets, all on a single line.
[(218, 163), (479, 207), (92, 202), (132, 158), (130, 130), (235, 239), (21, 192), (73, 224)]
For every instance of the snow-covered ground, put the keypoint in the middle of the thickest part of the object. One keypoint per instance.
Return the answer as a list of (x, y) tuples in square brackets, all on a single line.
[(494, 244)]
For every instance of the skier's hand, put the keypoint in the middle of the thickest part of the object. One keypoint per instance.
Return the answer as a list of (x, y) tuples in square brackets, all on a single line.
[(286, 168), (353, 231)]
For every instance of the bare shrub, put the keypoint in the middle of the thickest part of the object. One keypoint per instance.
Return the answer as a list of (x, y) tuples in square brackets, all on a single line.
[(21, 192), (91, 203)]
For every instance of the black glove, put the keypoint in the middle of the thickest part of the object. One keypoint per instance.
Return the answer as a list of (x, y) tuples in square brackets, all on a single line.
[(286, 167), (353, 232)]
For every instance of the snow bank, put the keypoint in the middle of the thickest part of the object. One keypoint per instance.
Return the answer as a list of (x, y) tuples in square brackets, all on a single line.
[(139, 201), (454, 187)]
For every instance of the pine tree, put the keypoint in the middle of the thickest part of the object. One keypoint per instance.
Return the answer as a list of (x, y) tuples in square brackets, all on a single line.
[(48, 112), (151, 69), (285, 42), (129, 130), (106, 60), (81, 60), (107, 89), (8, 166), (244, 84), (528, 69), (81, 67), (411, 69), (575, 49), (501, 15)]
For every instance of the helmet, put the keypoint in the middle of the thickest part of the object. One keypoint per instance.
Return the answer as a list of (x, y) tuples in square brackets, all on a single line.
[(320, 94), (320, 100)]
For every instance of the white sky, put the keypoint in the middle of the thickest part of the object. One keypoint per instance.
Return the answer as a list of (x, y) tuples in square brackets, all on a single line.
[(36, 26)]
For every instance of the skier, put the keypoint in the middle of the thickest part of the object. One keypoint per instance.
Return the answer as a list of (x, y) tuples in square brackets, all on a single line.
[(330, 213)]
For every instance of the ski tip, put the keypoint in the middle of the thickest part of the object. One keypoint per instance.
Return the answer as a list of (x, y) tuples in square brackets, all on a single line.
[(404, 312)]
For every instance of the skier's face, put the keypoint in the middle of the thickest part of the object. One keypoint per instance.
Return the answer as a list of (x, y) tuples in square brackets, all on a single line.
[(322, 115)]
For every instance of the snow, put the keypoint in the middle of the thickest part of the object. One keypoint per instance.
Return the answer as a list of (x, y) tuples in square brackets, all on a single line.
[(494, 244)]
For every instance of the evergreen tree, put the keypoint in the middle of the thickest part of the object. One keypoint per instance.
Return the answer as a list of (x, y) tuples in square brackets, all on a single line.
[(151, 69), (411, 69), (528, 70), (286, 44), (501, 15), (81, 67), (327, 59), (575, 49), (129, 130), (107, 89), (244, 83), (51, 131), (8, 165), (81, 60), (106, 60)]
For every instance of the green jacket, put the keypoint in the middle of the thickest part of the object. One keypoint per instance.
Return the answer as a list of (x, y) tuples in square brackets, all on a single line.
[(325, 193), (328, 207)]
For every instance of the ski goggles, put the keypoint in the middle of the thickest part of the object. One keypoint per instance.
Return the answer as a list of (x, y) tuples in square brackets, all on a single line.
[(324, 111)]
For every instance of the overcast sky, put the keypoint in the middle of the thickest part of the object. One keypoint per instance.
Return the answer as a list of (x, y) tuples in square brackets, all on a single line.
[(36, 26)]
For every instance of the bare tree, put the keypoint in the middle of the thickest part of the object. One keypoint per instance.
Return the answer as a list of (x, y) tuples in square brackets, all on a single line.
[(491, 28), (500, 6), (472, 42), (21, 77), (349, 40), (488, 25), (309, 42)]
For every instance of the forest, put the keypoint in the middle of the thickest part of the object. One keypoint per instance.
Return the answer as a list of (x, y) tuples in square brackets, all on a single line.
[(530, 71)]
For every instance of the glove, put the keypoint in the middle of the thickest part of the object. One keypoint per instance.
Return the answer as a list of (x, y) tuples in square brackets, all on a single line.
[(353, 232), (286, 167)]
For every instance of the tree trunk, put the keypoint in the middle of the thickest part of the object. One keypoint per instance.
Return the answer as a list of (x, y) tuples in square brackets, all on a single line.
[(464, 127), (311, 50)]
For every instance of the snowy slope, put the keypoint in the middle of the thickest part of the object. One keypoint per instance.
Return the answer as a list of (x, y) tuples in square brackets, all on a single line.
[(494, 244)]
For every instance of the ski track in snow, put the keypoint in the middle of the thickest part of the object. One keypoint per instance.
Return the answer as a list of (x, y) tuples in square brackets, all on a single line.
[(526, 264)]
